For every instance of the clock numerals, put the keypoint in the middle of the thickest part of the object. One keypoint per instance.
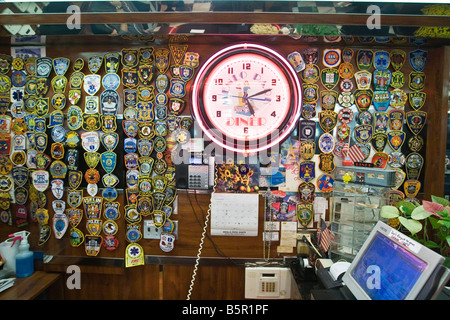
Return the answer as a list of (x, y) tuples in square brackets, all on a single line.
[(273, 114), (246, 66)]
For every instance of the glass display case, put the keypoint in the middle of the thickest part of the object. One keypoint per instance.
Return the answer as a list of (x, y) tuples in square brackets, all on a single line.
[(355, 211)]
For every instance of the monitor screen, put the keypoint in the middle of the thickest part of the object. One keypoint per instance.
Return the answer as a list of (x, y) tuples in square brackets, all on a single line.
[(392, 266), (387, 271)]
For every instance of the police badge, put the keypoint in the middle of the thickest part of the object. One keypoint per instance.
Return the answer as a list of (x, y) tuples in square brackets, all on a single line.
[(417, 99), (398, 98), (176, 105), (74, 118), (129, 58), (381, 121), (40, 180), (364, 59), (331, 57), (417, 59), (381, 100), (43, 67), (363, 133), (396, 118), (328, 120), (416, 81), (307, 170), (109, 123), (108, 161), (111, 81), (112, 60), (382, 79), (326, 143), (109, 102), (414, 164), (111, 210), (192, 59), (177, 88), (92, 83), (396, 139), (145, 73), (379, 141), (380, 160), (329, 78), (186, 72), (326, 163), (398, 79), (381, 60), (363, 99), (305, 213), (416, 121), (162, 59), (74, 198), (60, 224), (397, 58), (146, 55), (130, 78), (109, 140)]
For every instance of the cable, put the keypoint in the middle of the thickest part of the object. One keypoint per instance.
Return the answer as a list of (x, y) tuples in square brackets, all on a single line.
[(205, 227)]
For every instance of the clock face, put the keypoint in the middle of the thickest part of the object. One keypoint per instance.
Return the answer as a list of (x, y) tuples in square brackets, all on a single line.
[(246, 98)]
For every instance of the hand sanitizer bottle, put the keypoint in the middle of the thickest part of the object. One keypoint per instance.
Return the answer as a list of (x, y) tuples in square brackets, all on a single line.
[(24, 257)]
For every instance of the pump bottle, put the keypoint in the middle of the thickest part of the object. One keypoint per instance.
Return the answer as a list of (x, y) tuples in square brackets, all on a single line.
[(24, 257)]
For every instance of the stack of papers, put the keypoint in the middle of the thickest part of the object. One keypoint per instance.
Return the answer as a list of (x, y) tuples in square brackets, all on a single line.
[(6, 283)]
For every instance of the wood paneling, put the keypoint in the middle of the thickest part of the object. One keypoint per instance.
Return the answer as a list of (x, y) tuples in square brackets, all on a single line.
[(436, 88), (226, 18), (211, 283)]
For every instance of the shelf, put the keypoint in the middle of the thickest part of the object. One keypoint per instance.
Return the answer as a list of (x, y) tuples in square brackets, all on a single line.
[(146, 18)]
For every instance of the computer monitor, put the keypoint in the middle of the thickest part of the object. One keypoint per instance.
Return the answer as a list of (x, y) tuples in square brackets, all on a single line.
[(392, 266)]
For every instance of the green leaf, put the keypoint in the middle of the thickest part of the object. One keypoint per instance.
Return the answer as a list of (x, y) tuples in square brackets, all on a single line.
[(445, 222), (448, 240), (420, 213), (434, 222), (406, 207), (440, 200), (389, 212), (431, 244), (413, 226), (443, 213)]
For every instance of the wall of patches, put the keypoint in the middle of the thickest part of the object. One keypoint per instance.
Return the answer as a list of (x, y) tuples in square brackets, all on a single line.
[(88, 131)]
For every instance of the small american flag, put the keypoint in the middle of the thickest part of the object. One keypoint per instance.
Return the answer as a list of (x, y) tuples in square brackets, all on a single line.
[(355, 153), (325, 236)]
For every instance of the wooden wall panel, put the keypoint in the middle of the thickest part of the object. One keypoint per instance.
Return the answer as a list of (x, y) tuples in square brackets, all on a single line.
[(436, 84), (139, 283), (211, 283)]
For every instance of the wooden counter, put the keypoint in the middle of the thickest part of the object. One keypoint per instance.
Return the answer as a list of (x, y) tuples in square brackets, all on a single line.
[(33, 286)]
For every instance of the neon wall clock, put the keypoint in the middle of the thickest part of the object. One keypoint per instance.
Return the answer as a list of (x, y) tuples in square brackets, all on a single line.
[(246, 98)]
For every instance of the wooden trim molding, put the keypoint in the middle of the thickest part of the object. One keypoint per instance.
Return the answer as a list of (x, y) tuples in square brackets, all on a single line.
[(226, 18)]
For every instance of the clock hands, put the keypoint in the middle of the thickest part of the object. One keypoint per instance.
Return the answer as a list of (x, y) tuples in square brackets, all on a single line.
[(259, 99), (252, 96), (258, 93), (250, 107), (246, 99)]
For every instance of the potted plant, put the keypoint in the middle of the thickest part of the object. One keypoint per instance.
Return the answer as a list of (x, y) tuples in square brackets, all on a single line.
[(428, 223)]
